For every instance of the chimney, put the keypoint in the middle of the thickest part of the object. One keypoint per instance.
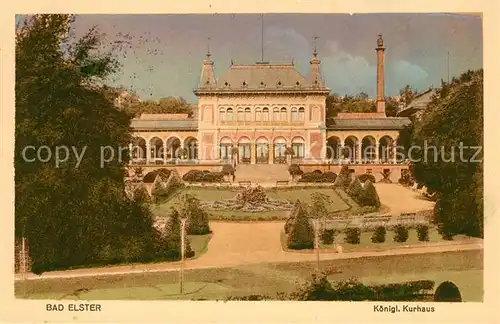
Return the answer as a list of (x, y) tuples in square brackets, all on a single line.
[(380, 75)]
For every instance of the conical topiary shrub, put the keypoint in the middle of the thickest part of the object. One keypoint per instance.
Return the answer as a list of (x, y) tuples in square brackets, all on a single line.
[(369, 196), (173, 234), (291, 217), (301, 234), (355, 190), (344, 178)]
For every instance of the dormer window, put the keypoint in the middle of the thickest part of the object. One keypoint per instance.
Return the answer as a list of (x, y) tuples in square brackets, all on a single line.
[(297, 83), (262, 84), (244, 84), (226, 84), (279, 84)]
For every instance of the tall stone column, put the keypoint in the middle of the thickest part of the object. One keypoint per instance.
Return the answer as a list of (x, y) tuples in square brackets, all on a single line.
[(271, 154), (380, 75), (359, 156), (130, 153), (253, 153), (148, 153), (394, 153), (377, 154), (165, 152)]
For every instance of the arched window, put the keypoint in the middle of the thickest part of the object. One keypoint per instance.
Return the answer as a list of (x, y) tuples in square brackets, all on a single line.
[(302, 113), (258, 114), (283, 114), (294, 114), (265, 114), (241, 115), (248, 114), (222, 114), (229, 115), (276, 114)]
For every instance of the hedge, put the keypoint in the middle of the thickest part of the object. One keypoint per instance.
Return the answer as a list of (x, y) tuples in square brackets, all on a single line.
[(318, 177), (366, 176), (203, 176)]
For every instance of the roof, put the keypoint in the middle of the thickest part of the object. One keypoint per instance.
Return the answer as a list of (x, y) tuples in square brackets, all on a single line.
[(361, 115), (165, 124), (263, 76), (421, 101), (392, 123)]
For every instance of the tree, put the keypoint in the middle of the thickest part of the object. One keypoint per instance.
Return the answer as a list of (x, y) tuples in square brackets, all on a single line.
[(453, 123), (391, 107), (344, 178), (355, 190), (407, 94), (369, 196), (197, 218), (76, 213), (319, 206), (173, 237), (291, 217), (301, 234)]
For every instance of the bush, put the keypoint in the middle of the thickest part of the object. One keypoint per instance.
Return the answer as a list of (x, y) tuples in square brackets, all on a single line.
[(251, 195), (423, 232), (344, 178), (203, 176), (141, 195), (162, 193), (379, 235), (291, 218), (173, 238), (317, 171), (355, 190), (365, 177), (294, 170), (227, 169), (369, 196), (197, 222), (447, 292), (352, 235), (317, 177), (301, 234), (327, 236), (329, 176), (400, 233)]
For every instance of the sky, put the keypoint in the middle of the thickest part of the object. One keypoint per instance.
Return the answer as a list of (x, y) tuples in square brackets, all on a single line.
[(164, 53)]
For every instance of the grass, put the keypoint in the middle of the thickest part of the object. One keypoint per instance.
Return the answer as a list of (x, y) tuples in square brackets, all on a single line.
[(464, 268), (366, 244), (199, 243), (210, 194)]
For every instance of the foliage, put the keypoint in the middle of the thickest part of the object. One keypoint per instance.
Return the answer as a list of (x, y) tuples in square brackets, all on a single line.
[(344, 178), (379, 235), (355, 190), (141, 194), (301, 234), (400, 233), (202, 176), (453, 119), (135, 107), (291, 218), (252, 195), (447, 292), (173, 238), (227, 169), (294, 170), (327, 235), (163, 190), (352, 235), (72, 215), (366, 176), (197, 218), (423, 232), (319, 205), (369, 196), (318, 177)]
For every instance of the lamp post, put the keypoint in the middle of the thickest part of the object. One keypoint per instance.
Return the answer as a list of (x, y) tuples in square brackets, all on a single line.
[(183, 248)]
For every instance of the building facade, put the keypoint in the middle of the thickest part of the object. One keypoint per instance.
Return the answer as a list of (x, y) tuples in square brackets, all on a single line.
[(261, 114)]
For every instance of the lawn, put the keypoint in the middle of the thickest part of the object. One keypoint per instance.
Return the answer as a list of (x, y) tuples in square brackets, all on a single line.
[(210, 194), (464, 268), (366, 244)]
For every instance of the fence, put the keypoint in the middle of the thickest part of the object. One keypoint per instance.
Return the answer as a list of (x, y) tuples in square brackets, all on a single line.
[(372, 221)]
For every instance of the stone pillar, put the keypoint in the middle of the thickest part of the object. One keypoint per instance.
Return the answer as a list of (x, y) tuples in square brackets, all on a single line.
[(377, 155), (394, 153), (164, 152), (253, 153), (380, 75), (271, 154), (358, 154), (130, 153), (148, 153)]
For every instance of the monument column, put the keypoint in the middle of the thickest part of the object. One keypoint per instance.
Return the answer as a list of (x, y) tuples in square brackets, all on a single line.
[(380, 75)]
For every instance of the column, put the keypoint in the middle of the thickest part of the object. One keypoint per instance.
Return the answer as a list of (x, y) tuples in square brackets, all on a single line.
[(394, 153), (164, 152), (148, 153), (377, 157), (253, 153), (271, 154), (358, 153), (130, 153)]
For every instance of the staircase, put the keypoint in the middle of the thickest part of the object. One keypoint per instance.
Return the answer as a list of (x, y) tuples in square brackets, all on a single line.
[(262, 173)]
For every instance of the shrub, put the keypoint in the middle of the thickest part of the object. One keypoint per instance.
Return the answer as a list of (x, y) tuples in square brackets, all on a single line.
[(369, 196), (352, 235), (400, 233), (203, 176), (355, 190), (250, 195), (344, 178), (227, 169), (445, 231), (173, 238), (291, 218), (193, 176), (330, 176), (197, 222), (423, 232), (301, 234), (141, 194), (447, 292), (317, 171), (162, 193), (317, 177), (379, 235), (327, 236), (294, 170), (365, 177)]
